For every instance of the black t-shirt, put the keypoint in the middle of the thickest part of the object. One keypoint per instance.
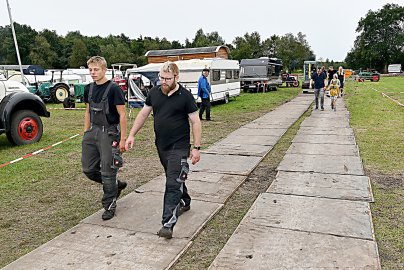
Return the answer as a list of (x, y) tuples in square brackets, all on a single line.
[(171, 124), (115, 97)]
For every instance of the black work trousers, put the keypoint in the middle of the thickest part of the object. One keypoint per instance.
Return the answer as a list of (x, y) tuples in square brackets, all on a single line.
[(174, 191), (205, 105), (97, 161)]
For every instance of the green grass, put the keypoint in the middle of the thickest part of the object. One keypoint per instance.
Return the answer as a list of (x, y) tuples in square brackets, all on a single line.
[(378, 124), (45, 195)]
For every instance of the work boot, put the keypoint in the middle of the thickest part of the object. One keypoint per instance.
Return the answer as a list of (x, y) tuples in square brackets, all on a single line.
[(108, 214), (183, 209), (121, 186), (165, 232)]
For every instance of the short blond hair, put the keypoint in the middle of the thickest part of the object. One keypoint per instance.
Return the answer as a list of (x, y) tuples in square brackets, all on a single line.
[(97, 60), (170, 67)]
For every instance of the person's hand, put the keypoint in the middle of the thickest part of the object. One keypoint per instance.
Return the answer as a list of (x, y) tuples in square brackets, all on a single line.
[(195, 156), (130, 141)]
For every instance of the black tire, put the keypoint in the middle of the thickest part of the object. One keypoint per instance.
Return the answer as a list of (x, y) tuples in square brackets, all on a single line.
[(59, 93), (26, 128), (69, 103)]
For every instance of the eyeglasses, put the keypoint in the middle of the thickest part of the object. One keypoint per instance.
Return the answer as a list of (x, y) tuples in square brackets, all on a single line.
[(165, 79)]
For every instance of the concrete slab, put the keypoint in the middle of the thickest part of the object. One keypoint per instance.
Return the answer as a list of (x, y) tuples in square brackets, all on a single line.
[(337, 186), (325, 148), (228, 164), (326, 131), (97, 247), (324, 122), (311, 214), (322, 139), (260, 125), (312, 163), (259, 131), (142, 213), (217, 192), (252, 139), (242, 149), (263, 248)]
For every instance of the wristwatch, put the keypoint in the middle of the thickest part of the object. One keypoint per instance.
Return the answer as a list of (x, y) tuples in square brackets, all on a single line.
[(197, 147)]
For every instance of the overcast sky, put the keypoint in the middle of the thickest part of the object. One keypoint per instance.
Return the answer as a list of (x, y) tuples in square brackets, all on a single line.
[(329, 28)]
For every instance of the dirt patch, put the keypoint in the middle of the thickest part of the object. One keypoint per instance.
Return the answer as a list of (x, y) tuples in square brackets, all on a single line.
[(386, 181)]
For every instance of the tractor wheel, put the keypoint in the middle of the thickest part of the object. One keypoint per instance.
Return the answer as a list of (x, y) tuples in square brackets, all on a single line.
[(375, 78), (26, 128), (59, 93), (69, 103), (295, 84)]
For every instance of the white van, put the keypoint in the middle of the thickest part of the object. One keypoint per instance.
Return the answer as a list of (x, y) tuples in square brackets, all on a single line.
[(394, 68), (223, 76)]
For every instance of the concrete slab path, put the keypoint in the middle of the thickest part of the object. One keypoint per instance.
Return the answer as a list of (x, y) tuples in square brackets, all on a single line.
[(315, 214), (129, 240)]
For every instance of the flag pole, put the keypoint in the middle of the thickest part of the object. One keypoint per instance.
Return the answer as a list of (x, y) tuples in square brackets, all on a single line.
[(15, 42)]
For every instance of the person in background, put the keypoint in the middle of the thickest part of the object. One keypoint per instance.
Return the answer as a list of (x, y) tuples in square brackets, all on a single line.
[(319, 80), (341, 78), (104, 134), (331, 73), (204, 93), (334, 92), (173, 107)]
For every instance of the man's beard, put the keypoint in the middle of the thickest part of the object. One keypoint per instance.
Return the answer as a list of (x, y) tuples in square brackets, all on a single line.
[(167, 88)]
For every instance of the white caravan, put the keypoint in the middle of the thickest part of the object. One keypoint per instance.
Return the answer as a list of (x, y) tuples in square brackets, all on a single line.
[(223, 76)]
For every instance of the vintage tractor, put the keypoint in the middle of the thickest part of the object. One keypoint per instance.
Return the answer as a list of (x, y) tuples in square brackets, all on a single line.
[(373, 76)]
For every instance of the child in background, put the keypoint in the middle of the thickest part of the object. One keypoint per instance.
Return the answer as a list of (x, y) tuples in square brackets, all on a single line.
[(334, 92)]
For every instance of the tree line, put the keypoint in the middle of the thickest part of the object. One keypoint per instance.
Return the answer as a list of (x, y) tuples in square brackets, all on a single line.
[(50, 50), (380, 39)]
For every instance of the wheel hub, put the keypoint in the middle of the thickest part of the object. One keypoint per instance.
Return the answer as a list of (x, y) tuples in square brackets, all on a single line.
[(28, 129)]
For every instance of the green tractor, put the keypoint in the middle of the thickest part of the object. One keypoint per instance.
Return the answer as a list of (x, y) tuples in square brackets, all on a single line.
[(373, 76), (47, 87)]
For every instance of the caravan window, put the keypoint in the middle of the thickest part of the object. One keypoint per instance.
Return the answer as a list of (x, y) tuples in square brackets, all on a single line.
[(216, 75), (229, 74), (236, 74)]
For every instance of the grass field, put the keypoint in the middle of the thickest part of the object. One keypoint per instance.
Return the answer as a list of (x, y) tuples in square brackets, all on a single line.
[(44, 195), (378, 123)]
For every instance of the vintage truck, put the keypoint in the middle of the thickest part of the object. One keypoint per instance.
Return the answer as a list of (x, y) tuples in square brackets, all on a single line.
[(20, 113)]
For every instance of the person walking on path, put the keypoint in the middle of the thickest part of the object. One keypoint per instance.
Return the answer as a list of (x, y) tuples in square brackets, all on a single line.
[(319, 80), (104, 134), (334, 92), (204, 91), (341, 78), (172, 107), (331, 73)]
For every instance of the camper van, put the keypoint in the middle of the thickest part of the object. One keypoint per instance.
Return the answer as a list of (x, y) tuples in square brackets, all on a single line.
[(223, 77), (261, 74)]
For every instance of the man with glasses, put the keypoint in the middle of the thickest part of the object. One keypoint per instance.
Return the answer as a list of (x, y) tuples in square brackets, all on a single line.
[(204, 93), (104, 134), (172, 107)]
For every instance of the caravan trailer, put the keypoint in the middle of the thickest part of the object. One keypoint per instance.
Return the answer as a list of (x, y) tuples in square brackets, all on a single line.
[(223, 76)]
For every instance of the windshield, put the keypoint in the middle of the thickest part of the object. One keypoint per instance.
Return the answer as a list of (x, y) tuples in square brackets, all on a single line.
[(253, 71)]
